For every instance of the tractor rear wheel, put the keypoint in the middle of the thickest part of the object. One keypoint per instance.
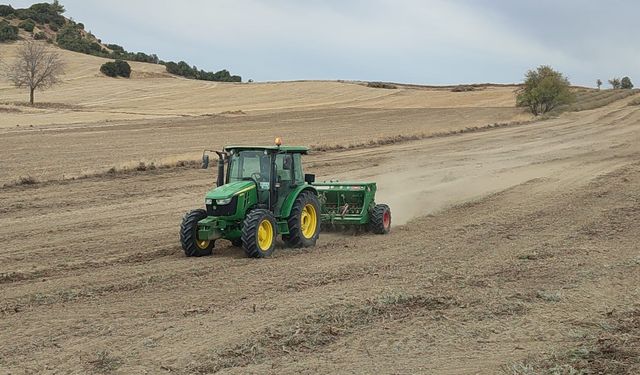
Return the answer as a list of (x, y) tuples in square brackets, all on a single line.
[(259, 234), (237, 242), (380, 220), (304, 221), (192, 246)]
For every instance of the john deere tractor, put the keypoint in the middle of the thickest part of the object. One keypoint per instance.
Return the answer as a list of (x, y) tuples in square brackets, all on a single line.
[(263, 193)]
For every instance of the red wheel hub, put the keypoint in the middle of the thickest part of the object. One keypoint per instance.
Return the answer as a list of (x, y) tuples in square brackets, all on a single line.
[(386, 219)]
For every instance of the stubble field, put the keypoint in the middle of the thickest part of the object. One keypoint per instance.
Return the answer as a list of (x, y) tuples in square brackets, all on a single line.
[(514, 248)]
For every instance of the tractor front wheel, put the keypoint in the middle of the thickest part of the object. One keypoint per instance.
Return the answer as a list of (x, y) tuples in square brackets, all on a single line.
[(304, 221), (380, 220), (259, 234), (192, 246)]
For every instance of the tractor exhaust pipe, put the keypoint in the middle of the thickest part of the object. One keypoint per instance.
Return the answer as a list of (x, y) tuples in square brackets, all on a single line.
[(220, 180)]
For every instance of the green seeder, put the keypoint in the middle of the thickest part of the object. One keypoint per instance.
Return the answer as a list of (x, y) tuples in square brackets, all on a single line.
[(262, 192)]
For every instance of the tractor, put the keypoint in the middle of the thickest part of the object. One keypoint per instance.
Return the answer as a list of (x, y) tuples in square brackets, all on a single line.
[(263, 192)]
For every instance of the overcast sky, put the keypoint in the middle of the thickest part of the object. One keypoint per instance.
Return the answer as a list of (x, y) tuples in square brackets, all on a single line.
[(429, 41)]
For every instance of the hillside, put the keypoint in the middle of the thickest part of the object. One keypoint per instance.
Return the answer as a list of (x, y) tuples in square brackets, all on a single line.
[(45, 21), (88, 96)]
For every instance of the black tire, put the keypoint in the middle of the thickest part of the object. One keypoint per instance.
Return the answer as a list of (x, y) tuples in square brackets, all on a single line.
[(250, 233), (296, 237), (380, 219), (189, 235), (237, 242)]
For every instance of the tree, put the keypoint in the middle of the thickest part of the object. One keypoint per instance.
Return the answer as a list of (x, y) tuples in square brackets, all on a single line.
[(544, 89), (36, 67), (116, 68), (7, 32), (625, 83), (615, 83), (599, 83)]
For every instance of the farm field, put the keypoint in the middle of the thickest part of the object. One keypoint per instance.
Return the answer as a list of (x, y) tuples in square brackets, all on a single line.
[(511, 246)]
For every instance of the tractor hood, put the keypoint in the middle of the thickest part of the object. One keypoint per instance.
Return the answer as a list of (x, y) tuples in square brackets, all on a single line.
[(229, 190)]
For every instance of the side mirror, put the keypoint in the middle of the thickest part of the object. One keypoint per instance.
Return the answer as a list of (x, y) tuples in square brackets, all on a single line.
[(309, 178), (205, 161)]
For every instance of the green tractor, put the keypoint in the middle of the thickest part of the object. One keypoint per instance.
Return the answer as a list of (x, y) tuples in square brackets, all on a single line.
[(264, 193)]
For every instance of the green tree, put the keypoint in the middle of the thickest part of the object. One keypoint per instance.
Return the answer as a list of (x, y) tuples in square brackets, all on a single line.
[(615, 83), (599, 83), (123, 68), (118, 68), (625, 83), (7, 32), (6, 10), (109, 69), (544, 89), (27, 25)]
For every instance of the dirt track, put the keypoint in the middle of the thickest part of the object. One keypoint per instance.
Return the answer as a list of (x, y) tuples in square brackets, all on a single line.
[(517, 241)]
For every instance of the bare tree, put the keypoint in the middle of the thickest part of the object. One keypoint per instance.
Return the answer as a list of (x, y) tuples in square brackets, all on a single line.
[(36, 67)]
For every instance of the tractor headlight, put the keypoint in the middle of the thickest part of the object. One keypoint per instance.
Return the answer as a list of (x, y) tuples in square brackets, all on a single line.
[(208, 202), (222, 202)]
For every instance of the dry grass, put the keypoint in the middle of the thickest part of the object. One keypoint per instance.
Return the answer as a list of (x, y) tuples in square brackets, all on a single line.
[(401, 138), (382, 85), (615, 350), (587, 99), (105, 362), (634, 102), (464, 88), (319, 328), (123, 169)]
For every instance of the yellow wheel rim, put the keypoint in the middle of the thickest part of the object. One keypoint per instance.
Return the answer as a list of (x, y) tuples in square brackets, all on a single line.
[(265, 235), (202, 244), (308, 221)]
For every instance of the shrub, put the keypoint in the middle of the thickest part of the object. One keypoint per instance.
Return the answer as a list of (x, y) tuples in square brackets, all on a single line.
[(40, 36), (109, 69), (123, 68), (7, 32), (6, 10), (70, 38), (381, 85), (183, 69), (116, 48), (116, 68), (544, 89), (625, 83), (27, 25), (43, 13)]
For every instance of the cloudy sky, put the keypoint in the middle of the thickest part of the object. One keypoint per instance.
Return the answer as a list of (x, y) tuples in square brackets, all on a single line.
[(428, 41)]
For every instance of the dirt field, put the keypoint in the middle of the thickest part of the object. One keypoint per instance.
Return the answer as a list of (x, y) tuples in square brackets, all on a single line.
[(514, 249), (511, 246)]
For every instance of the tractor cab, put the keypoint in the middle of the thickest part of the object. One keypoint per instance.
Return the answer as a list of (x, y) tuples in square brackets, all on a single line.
[(275, 172)]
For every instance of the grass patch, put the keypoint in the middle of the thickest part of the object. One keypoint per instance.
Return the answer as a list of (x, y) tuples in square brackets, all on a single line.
[(548, 296), (236, 112), (634, 102), (318, 328), (126, 169), (615, 350), (401, 138), (105, 362), (382, 85), (587, 99), (463, 88)]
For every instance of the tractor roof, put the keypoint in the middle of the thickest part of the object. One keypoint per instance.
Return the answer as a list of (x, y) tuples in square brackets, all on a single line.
[(293, 149)]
